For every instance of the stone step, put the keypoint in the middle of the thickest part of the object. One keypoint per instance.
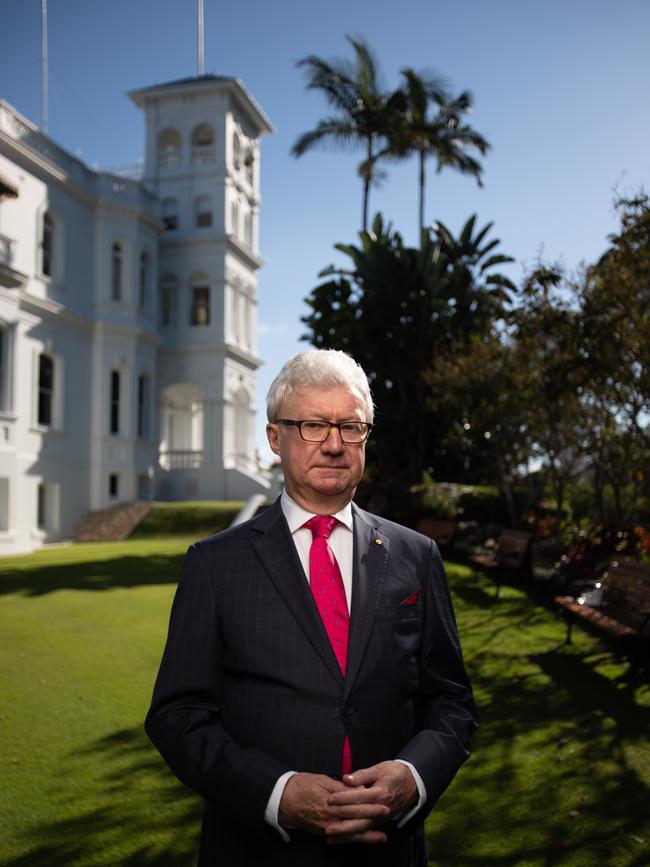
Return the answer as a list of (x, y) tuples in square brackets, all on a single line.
[(112, 524)]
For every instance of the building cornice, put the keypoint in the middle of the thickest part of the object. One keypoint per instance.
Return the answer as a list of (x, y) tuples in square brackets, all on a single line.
[(234, 87)]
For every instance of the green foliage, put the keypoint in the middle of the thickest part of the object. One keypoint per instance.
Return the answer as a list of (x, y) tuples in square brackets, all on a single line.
[(395, 310), (188, 518), (364, 115), (559, 773)]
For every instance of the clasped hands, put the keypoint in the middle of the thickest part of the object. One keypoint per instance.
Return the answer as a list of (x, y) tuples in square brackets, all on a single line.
[(351, 810)]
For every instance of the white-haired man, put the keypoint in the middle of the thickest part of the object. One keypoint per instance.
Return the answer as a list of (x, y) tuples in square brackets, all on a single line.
[(312, 688)]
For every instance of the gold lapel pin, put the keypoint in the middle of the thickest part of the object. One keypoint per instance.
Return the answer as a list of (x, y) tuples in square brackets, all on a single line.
[(377, 541)]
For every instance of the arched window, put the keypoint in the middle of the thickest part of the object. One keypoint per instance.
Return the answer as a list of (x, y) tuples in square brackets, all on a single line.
[(168, 299), (143, 279), (203, 211), (236, 151), (116, 272), (47, 245), (169, 147), (200, 310), (170, 214), (203, 150)]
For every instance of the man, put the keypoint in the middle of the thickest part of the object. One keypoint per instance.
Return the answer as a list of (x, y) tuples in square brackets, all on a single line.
[(312, 688)]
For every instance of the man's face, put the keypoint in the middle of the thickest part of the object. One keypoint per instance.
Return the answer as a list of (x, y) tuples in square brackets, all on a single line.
[(320, 477)]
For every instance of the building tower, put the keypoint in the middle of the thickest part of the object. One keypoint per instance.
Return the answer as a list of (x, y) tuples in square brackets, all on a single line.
[(202, 162)]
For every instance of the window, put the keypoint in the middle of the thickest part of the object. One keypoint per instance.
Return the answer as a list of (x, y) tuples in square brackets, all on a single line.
[(41, 510), (4, 504), (236, 151), (248, 228), (47, 245), (203, 144), (200, 305), (170, 214), (143, 281), (47, 507), (168, 299), (169, 147), (143, 407), (116, 272), (202, 137), (45, 390), (113, 485), (234, 218), (5, 359), (203, 211), (249, 162), (115, 402)]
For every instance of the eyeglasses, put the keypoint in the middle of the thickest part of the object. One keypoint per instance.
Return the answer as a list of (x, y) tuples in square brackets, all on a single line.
[(316, 431)]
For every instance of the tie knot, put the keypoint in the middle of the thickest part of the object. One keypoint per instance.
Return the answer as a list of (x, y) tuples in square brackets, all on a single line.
[(321, 526)]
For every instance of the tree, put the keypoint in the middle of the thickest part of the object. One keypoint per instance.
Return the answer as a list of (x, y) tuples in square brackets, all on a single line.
[(364, 111), (394, 310), (445, 136)]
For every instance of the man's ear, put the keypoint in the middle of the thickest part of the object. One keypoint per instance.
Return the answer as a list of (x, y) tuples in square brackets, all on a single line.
[(273, 438)]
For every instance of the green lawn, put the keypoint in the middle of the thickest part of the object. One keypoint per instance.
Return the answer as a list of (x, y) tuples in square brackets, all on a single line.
[(560, 774)]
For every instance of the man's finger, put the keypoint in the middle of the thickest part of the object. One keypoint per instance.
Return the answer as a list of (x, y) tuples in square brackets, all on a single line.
[(360, 795)]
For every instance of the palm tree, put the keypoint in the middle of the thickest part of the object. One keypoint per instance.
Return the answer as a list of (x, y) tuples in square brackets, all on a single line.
[(364, 110), (445, 136)]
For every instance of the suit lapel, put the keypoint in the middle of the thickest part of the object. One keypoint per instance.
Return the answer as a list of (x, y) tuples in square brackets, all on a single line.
[(370, 560), (277, 553)]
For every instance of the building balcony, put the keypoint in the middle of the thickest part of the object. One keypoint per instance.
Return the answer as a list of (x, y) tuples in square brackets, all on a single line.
[(180, 459)]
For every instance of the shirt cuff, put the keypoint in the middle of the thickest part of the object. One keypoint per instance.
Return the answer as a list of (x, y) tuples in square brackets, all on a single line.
[(273, 805), (422, 795)]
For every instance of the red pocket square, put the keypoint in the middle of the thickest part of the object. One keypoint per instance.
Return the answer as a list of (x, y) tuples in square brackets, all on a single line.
[(412, 599)]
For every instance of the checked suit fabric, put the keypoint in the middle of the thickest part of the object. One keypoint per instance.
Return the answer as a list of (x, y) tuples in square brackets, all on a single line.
[(328, 591)]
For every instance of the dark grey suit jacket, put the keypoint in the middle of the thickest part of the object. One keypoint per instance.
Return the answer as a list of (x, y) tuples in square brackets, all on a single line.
[(249, 686)]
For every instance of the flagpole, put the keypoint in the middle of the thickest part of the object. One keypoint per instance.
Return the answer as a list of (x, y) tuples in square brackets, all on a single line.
[(44, 66), (200, 39)]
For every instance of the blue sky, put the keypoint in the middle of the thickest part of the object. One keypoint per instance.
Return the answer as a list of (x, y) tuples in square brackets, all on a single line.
[(560, 91)]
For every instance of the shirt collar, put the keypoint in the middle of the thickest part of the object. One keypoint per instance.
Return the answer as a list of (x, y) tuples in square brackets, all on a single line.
[(296, 516)]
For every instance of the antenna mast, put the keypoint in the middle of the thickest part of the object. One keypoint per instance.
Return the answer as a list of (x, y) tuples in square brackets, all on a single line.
[(200, 40), (44, 66)]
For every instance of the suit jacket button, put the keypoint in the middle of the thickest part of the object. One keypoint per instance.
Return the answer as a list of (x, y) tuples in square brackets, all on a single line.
[(349, 710)]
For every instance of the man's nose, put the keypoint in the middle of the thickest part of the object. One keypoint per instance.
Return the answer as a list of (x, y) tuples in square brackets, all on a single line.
[(333, 443)]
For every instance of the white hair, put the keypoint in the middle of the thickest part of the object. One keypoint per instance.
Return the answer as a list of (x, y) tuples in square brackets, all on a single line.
[(316, 368)]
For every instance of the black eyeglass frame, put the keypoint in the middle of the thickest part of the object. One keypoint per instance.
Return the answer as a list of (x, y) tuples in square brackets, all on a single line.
[(294, 422)]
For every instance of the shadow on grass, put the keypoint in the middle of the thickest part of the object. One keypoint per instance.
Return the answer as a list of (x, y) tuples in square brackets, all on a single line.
[(557, 776), (136, 813), (127, 571)]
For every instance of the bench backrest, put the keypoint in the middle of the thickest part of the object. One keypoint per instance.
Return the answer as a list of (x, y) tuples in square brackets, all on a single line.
[(627, 599)]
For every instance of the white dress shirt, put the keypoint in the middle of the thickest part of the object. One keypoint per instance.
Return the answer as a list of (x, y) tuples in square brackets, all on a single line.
[(341, 541)]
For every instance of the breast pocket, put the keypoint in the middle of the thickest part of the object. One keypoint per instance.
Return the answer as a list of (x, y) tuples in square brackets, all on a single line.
[(399, 611)]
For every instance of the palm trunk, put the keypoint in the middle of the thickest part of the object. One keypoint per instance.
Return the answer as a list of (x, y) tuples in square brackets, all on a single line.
[(366, 194), (366, 185), (421, 206)]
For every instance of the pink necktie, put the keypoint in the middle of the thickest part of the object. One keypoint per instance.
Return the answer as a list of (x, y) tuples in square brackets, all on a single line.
[(329, 594)]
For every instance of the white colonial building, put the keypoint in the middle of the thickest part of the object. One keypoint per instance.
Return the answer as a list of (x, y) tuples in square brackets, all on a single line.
[(127, 314)]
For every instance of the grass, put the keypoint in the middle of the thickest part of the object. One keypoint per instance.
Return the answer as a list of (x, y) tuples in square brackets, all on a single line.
[(195, 517), (561, 765)]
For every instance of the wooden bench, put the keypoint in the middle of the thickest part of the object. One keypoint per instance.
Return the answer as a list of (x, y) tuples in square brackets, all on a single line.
[(510, 553), (624, 610), (441, 531)]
